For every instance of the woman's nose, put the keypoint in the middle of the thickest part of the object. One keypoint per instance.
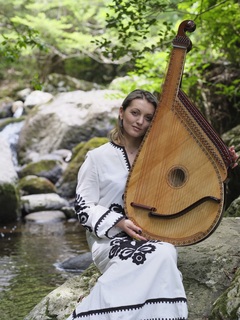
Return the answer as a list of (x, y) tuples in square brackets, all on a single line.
[(140, 120)]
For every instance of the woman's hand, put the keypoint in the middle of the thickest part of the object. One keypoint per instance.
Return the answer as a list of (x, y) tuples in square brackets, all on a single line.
[(131, 229), (234, 155)]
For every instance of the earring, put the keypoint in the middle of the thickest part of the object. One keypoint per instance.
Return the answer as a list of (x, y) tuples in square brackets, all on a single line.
[(120, 122)]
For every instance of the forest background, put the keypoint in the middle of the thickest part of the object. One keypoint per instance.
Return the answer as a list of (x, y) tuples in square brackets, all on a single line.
[(101, 40)]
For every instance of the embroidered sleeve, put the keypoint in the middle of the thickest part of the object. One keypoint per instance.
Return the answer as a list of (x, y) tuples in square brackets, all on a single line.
[(94, 217)]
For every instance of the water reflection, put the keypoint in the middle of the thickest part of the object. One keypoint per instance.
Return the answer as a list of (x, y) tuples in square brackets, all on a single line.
[(28, 254)]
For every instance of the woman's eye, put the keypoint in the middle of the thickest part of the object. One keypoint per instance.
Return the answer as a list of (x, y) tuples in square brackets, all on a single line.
[(134, 113), (149, 119)]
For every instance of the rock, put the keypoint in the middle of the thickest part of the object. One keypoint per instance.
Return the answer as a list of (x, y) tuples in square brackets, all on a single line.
[(234, 209), (34, 185), (22, 94), (17, 108), (9, 195), (47, 168), (56, 83), (68, 182), (40, 202), (70, 213), (227, 306), (5, 108), (36, 98), (207, 267), (45, 216), (76, 264), (70, 118)]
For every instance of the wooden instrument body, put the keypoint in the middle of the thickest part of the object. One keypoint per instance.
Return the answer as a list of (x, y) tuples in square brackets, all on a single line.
[(175, 189)]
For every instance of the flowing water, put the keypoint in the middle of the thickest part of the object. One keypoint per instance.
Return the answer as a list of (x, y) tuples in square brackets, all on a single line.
[(29, 255)]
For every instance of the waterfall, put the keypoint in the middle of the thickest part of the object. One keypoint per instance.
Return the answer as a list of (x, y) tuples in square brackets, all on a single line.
[(11, 134)]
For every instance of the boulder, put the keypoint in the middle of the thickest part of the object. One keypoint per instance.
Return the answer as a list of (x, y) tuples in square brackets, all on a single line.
[(32, 184), (208, 270), (227, 306), (68, 119), (46, 216), (76, 264), (68, 182), (50, 169), (42, 202), (56, 83), (36, 98), (5, 108)]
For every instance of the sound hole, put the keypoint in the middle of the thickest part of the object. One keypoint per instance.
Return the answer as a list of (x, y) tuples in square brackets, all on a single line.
[(177, 177)]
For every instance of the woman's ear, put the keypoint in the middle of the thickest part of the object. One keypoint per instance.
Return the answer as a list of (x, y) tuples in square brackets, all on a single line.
[(121, 113)]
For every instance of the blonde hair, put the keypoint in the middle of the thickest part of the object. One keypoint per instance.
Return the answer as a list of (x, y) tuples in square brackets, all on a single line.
[(116, 134)]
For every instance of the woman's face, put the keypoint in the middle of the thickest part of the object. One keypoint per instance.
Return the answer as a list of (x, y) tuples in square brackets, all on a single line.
[(136, 118)]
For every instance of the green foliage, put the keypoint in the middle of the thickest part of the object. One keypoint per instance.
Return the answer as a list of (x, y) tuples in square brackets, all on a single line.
[(137, 28), (13, 45), (45, 33), (130, 38)]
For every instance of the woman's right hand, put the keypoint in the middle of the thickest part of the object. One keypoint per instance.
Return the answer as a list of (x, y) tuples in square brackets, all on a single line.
[(131, 229)]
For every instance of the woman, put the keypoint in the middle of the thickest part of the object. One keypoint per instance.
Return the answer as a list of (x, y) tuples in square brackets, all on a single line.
[(140, 279)]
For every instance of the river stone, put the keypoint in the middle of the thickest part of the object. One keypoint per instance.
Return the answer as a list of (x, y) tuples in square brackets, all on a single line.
[(70, 118), (32, 184), (207, 267), (39, 202), (5, 108), (76, 264), (50, 169), (45, 216), (37, 98)]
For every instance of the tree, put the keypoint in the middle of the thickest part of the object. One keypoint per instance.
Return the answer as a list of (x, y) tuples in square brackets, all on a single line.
[(211, 69), (64, 29)]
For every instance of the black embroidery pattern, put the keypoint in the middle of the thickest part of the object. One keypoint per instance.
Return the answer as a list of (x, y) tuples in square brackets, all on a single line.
[(80, 207), (122, 149), (117, 208), (108, 311), (126, 248), (113, 207)]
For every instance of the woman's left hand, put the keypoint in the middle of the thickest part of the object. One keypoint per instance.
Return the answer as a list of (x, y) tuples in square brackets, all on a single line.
[(234, 155)]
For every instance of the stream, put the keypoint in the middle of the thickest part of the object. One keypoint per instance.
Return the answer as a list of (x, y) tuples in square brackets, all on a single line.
[(29, 258)]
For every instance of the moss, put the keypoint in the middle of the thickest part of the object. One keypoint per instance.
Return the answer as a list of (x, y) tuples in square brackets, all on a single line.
[(227, 305), (9, 203), (34, 185), (36, 168), (69, 177), (8, 121)]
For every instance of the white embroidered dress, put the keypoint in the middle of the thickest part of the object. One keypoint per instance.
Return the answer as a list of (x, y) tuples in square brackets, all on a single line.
[(140, 279)]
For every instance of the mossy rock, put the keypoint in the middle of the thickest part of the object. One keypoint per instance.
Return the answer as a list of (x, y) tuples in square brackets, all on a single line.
[(50, 169), (68, 182), (227, 306), (234, 209), (9, 203), (33, 185)]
